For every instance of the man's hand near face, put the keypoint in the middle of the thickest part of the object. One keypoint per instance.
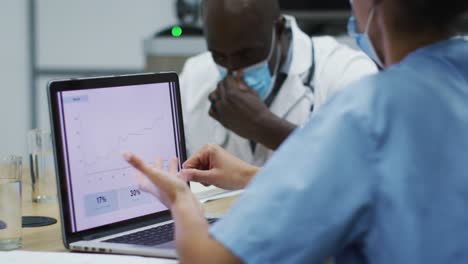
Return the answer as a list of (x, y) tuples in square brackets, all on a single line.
[(240, 109)]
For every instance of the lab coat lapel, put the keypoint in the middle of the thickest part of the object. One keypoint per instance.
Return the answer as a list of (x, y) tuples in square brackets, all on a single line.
[(291, 93), (293, 89)]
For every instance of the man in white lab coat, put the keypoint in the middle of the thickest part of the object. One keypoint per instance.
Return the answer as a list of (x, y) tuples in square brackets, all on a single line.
[(261, 78)]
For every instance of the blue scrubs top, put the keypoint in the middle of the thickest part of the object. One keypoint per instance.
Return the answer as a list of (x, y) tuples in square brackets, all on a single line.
[(379, 174)]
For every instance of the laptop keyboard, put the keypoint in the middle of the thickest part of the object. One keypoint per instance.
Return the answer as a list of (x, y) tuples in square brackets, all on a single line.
[(150, 237)]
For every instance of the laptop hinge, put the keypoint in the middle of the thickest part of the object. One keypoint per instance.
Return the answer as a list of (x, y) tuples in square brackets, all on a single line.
[(126, 228)]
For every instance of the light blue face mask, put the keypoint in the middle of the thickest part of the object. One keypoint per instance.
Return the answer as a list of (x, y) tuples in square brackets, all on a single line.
[(259, 76), (362, 39)]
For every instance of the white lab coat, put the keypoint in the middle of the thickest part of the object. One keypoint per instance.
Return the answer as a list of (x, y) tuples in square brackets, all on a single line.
[(336, 66)]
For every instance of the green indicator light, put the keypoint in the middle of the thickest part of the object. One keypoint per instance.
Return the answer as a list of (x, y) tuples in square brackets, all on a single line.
[(176, 31)]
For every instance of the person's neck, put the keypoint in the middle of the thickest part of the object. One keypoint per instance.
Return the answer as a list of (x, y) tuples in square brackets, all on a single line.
[(400, 45)]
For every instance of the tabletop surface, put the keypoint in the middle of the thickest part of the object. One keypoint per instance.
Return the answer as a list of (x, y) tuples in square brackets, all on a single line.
[(49, 238)]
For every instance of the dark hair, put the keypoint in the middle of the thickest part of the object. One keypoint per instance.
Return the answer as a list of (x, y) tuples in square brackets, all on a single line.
[(432, 13)]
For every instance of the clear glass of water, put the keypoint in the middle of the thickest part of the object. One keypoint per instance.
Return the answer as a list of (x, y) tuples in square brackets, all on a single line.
[(10, 203), (42, 166)]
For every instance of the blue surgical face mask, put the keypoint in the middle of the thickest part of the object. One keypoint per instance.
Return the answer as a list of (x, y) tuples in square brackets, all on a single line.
[(362, 39), (259, 76)]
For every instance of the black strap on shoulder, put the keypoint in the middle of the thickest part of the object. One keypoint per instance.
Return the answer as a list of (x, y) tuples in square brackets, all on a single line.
[(311, 74)]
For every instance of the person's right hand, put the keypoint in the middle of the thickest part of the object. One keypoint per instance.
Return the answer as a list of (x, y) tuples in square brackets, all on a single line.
[(214, 166)]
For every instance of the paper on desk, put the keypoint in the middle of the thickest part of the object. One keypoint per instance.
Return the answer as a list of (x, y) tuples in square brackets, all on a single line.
[(26, 257), (213, 196)]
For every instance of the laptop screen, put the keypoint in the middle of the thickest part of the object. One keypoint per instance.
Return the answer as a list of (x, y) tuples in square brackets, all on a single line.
[(97, 126)]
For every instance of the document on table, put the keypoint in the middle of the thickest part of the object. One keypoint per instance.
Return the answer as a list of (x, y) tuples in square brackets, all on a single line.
[(26, 257), (216, 194)]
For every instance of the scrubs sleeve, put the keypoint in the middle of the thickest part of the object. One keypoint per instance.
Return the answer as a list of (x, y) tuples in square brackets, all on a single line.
[(313, 198)]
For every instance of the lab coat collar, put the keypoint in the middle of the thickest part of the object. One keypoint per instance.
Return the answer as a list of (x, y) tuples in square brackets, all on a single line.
[(301, 49), (293, 89)]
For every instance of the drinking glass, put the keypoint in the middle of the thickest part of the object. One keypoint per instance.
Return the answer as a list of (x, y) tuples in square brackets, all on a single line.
[(10, 202), (42, 166)]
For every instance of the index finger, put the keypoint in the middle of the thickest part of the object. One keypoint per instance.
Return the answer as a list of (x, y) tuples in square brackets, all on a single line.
[(156, 176), (222, 88), (201, 159), (236, 81), (241, 82), (193, 162)]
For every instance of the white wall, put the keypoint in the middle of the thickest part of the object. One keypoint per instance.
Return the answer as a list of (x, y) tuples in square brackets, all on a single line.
[(77, 34), (103, 33), (14, 98)]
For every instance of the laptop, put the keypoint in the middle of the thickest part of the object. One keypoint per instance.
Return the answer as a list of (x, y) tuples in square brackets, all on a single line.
[(94, 121)]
